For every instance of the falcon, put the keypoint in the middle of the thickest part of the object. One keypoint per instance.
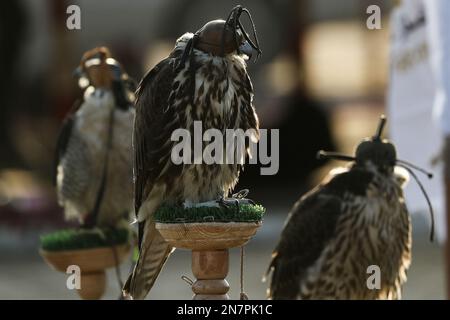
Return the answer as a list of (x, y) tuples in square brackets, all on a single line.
[(356, 219), (93, 166), (203, 79)]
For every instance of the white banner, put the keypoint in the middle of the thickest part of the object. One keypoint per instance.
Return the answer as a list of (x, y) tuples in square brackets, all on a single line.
[(411, 96)]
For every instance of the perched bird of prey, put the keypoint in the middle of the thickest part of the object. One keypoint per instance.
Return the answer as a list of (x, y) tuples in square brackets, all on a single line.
[(357, 218), (203, 79), (94, 154)]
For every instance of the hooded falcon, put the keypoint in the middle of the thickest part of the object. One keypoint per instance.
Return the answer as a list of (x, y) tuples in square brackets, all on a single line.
[(93, 154), (356, 219), (203, 79)]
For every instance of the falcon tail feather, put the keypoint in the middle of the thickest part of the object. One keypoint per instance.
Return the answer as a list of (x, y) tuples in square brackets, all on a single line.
[(152, 257)]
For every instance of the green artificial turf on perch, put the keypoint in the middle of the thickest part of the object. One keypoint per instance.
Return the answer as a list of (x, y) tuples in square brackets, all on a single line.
[(75, 239), (178, 214)]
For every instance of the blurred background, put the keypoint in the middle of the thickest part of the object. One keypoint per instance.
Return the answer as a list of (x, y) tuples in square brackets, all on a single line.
[(321, 80)]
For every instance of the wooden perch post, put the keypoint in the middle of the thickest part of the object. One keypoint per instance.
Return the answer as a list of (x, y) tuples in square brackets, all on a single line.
[(210, 267), (210, 243)]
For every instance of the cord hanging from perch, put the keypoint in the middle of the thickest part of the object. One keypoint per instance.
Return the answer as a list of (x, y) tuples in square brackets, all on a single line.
[(243, 295)]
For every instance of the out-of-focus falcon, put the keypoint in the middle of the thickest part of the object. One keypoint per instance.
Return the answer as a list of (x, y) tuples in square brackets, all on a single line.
[(94, 154), (203, 79), (355, 219)]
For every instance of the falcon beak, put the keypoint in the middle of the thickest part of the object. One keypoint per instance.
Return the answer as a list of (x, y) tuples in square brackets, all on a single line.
[(246, 49)]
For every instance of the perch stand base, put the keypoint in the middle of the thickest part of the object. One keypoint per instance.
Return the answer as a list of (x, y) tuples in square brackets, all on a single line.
[(209, 242), (92, 264), (93, 285)]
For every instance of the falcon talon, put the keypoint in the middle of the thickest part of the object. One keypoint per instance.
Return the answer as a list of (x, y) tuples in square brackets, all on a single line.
[(230, 202), (225, 203), (188, 204)]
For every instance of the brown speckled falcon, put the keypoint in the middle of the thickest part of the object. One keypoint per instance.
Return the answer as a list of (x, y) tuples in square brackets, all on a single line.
[(355, 219), (203, 79)]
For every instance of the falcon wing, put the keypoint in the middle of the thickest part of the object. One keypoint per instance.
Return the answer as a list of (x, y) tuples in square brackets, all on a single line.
[(72, 168), (310, 226), (154, 124), (250, 117), (63, 138), (122, 95)]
